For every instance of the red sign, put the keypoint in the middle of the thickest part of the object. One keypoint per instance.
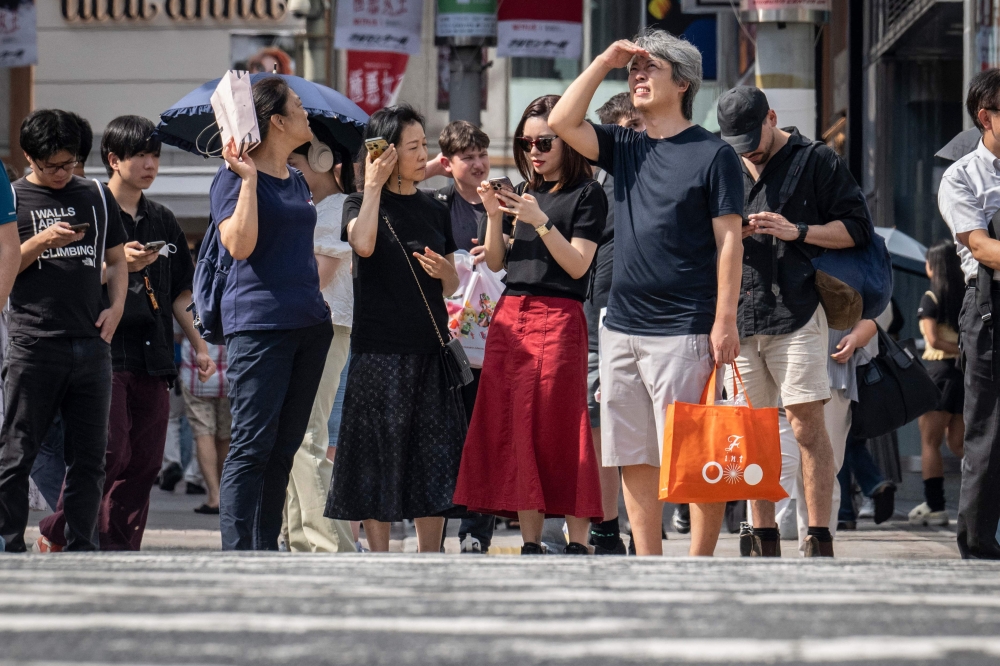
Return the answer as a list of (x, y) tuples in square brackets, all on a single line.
[(532, 10), (374, 77), (532, 29)]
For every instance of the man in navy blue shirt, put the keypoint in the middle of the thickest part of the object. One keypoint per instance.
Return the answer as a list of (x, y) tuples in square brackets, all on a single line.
[(671, 317)]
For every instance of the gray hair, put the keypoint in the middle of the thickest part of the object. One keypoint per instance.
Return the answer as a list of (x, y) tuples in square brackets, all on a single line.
[(684, 59)]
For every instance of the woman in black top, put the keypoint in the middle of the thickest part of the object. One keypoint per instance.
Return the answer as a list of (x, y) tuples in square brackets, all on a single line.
[(938, 315), (530, 452), (403, 428)]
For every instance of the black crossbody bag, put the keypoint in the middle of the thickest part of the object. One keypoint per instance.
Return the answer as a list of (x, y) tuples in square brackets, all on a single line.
[(457, 369)]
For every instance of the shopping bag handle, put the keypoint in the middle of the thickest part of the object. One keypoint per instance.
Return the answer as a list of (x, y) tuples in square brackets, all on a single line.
[(708, 395)]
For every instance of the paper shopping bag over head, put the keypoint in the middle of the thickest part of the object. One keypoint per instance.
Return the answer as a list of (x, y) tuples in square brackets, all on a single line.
[(720, 453), (232, 103)]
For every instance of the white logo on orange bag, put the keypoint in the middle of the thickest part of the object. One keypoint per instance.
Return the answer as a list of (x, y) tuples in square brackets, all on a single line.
[(733, 472)]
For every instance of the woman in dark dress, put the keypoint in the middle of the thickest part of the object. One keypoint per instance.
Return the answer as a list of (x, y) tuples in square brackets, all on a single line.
[(938, 316), (403, 428), (530, 451)]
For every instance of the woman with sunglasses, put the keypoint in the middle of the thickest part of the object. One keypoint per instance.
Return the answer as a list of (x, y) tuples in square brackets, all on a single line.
[(529, 452)]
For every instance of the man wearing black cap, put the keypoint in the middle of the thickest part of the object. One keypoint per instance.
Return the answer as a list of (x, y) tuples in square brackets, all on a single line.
[(783, 328)]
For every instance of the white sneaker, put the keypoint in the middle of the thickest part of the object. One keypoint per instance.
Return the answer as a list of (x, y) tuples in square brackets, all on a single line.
[(922, 515), (867, 509), (471, 544)]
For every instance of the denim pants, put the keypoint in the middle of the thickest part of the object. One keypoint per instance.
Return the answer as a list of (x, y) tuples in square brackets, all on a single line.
[(273, 378), (858, 462), (43, 376)]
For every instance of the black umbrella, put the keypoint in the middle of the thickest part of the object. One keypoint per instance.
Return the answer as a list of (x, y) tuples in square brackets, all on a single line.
[(190, 123), (961, 145)]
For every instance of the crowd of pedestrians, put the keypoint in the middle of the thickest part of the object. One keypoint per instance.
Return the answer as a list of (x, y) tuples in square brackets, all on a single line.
[(642, 255)]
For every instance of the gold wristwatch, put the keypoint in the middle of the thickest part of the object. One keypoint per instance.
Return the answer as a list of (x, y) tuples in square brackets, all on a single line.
[(543, 229)]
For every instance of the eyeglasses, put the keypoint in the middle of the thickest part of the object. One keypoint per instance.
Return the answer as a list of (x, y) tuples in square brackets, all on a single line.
[(544, 143), (53, 169)]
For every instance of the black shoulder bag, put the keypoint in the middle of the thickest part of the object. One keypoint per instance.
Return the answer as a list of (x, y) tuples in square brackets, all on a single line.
[(457, 369), (893, 389)]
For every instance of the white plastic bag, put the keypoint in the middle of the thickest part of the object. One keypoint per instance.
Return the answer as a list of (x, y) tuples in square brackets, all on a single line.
[(232, 103), (469, 317)]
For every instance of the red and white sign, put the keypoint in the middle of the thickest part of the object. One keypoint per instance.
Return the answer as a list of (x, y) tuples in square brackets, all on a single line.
[(534, 29), (379, 25), (374, 77)]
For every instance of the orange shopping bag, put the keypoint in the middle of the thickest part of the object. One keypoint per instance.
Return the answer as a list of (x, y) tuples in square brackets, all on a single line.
[(720, 453)]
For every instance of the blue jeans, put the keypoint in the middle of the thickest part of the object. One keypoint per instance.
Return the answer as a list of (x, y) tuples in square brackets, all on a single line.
[(859, 462), (273, 378)]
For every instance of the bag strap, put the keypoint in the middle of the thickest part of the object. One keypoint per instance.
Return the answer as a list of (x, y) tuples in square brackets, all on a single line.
[(984, 280), (791, 182), (415, 279), (708, 395)]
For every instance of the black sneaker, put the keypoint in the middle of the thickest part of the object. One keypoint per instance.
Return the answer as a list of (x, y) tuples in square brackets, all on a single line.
[(574, 548), (682, 518), (631, 545), (847, 525), (194, 489), (170, 477), (884, 499), (619, 549), (533, 549)]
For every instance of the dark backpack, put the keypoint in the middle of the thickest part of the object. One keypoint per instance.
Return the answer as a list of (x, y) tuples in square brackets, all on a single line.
[(853, 283), (210, 276)]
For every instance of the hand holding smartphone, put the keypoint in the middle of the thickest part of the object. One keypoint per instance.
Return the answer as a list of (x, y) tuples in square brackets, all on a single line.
[(375, 147), (501, 184), (77, 228), (153, 246)]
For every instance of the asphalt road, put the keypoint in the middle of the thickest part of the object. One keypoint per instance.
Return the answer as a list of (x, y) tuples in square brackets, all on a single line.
[(218, 608)]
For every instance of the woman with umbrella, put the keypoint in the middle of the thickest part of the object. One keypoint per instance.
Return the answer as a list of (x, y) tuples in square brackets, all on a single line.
[(277, 325)]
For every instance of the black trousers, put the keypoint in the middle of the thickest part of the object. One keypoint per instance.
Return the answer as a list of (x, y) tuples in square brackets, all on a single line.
[(42, 376), (979, 503)]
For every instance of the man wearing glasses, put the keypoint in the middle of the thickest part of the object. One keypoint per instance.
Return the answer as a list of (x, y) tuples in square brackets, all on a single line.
[(58, 354)]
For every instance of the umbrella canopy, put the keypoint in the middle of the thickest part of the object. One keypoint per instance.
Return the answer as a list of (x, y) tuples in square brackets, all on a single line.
[(907, 253), (190, 123), (961, 145)]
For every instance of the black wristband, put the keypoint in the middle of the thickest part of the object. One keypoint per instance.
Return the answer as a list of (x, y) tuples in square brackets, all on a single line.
[(803, 231)]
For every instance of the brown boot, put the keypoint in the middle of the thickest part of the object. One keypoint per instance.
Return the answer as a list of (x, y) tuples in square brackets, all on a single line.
[(816, 548), (751, 545)]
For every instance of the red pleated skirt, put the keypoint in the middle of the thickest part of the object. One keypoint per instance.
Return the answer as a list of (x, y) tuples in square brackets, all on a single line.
[(530, 446)]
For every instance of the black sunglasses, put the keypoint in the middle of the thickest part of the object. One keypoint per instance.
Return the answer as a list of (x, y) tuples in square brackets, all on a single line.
[(544, 143)]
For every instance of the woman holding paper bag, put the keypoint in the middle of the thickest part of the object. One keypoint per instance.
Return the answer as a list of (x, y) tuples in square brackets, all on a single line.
[(530, 451), (277, 325)]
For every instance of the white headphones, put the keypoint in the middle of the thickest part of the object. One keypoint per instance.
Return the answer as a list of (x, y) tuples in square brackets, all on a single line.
[(320, 156)]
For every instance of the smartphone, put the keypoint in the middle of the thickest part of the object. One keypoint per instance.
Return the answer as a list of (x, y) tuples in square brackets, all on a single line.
[(501, 184), (77, 228), (153, 246), (376, 146)]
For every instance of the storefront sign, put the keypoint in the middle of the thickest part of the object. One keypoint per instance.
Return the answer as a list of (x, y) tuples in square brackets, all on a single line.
[(374, 77), (379, 25), (466, 18), (18, 45), (144, 10), (533, 29)]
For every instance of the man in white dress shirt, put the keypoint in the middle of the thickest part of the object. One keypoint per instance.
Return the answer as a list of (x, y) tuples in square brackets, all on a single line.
[(969, 198)]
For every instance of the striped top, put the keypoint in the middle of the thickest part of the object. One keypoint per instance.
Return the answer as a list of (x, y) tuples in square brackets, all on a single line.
[(217, 385)]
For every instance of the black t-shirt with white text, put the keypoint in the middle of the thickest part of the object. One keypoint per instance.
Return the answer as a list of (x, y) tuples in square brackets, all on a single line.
[(390, 316), (59, 294)]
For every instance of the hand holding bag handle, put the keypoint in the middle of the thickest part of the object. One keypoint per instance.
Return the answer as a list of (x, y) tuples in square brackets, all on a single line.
[(457, 368), (708, 395)]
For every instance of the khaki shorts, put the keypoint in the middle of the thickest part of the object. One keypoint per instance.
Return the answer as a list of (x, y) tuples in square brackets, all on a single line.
[(787, 369), (208, 416), (640, 377)]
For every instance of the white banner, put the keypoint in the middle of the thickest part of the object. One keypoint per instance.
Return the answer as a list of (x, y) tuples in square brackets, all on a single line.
[(379, 25), (539, 39), (18, 43)]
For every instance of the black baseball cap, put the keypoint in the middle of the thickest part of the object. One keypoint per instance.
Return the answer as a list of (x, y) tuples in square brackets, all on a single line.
[(741, 113)]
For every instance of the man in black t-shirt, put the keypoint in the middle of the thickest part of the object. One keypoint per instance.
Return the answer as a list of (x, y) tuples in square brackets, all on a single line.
[(606, 537), (60, 328)]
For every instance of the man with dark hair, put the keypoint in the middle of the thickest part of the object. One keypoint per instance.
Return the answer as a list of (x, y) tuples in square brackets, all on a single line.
[(606, 536), (86, 143), (60, 330), (142, 349), (783, 327), (465, 158), (969, 200)]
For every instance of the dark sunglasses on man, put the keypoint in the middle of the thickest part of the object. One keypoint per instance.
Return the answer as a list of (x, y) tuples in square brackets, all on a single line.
[(544, 143)]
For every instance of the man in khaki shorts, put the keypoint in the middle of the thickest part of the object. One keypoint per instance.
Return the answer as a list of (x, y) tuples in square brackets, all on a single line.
[(206, 405), (783, 327)]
